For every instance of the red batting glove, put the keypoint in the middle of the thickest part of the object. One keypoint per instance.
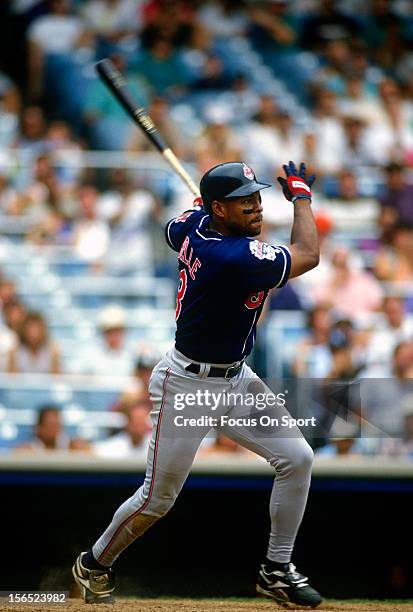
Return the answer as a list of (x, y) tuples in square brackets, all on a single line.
[(296, 186)]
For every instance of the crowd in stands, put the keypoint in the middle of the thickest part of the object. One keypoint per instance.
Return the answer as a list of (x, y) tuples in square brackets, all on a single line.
[(326, 81)]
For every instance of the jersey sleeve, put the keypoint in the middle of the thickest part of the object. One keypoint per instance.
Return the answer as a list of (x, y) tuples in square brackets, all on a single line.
[(262, 266), (177, 229)]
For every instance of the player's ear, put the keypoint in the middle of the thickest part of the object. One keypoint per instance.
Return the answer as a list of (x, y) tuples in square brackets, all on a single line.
[(218, 209)]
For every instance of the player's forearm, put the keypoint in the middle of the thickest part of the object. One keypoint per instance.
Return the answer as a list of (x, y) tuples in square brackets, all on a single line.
[(304, 237)]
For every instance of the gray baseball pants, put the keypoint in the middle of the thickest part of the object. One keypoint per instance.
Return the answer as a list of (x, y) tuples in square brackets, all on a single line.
[(172, 451)]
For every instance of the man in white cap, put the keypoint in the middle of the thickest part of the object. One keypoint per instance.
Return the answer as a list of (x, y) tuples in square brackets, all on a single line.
[(113, 356)]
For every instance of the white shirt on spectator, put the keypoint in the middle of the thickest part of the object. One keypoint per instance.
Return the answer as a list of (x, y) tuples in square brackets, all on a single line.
[(105, 18), (91, 239), (56, 33), (130, 244), (346, 214), (222, 24), (267, 149), (102, 361), (120, 445), (329, 137), (383, 341)]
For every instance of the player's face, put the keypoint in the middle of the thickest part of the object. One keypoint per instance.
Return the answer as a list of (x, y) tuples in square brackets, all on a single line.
[(243, 215)]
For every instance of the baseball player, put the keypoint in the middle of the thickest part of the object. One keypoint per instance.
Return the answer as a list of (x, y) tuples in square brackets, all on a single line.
[(225, 275)]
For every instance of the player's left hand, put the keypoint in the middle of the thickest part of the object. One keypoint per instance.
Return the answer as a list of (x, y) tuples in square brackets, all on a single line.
[(296, 186)]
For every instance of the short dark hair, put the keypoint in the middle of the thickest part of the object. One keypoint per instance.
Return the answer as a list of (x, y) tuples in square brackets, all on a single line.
[(43, 411), (393, 167)]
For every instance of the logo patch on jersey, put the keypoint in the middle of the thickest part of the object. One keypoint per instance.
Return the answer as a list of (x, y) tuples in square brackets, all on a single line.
[(262, 250), (184, 216), (248, 173), (254, 300)]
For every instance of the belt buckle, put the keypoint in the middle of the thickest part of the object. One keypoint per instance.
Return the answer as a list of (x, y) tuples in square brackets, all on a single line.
[(235, 368)]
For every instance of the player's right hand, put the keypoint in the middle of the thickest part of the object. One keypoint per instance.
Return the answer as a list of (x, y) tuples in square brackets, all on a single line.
[(296, 186)]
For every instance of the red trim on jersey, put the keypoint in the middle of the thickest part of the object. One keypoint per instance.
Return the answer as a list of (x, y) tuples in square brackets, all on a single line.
[(146, 502)]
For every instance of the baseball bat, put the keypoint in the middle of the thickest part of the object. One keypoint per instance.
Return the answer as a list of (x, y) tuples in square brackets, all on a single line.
[(117, 84)]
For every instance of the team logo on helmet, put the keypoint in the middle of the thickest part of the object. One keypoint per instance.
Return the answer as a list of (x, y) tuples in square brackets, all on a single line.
[(248, 173)]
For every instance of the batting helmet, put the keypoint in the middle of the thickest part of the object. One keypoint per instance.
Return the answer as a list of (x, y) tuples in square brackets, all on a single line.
[(229, 180)]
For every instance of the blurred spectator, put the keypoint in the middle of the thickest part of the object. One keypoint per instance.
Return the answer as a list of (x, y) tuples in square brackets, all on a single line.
[(49, 433), (44, 192), (213, 75), (218, 142), (52, 230), (347, 207), (35, 353), (358, 98), (398, 194), (360, 146), (273, 28), (394, 134), (344, 441), (224, 18), (59, 31), (383, 389), (243, 99), (130, 211), (389, 332), (10, 200), (91, 234), (346, 363), (401, 446), (351, 292), (108, 125), (336, 58), (9, 96), (133, 441), (112, 21), (337, 396), (272, 138), (313, 358), (162, 66), (13, 314), (138, 391), (394, 261), (32, 130), (175, 21), (66, 152), (328, 131), (10, 103), (112, 356), (7, 292), (326, 24), (384, 33)]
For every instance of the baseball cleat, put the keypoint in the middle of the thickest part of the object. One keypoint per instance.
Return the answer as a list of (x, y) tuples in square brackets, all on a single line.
[(287, 587), (96, 586)]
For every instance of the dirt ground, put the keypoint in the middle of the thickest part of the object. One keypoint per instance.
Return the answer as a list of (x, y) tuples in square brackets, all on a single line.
[(205, 605)]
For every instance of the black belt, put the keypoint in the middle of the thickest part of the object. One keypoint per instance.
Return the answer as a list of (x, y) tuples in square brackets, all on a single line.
[(215, 372)]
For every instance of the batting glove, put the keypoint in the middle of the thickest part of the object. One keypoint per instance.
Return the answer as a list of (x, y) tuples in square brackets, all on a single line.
[(296, 186), (198, 203)]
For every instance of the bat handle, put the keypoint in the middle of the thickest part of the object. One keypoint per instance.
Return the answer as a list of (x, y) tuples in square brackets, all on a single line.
[(170, 156)]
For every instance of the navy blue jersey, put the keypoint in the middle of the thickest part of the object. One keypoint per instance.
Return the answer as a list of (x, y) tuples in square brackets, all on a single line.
[(223, 283)]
